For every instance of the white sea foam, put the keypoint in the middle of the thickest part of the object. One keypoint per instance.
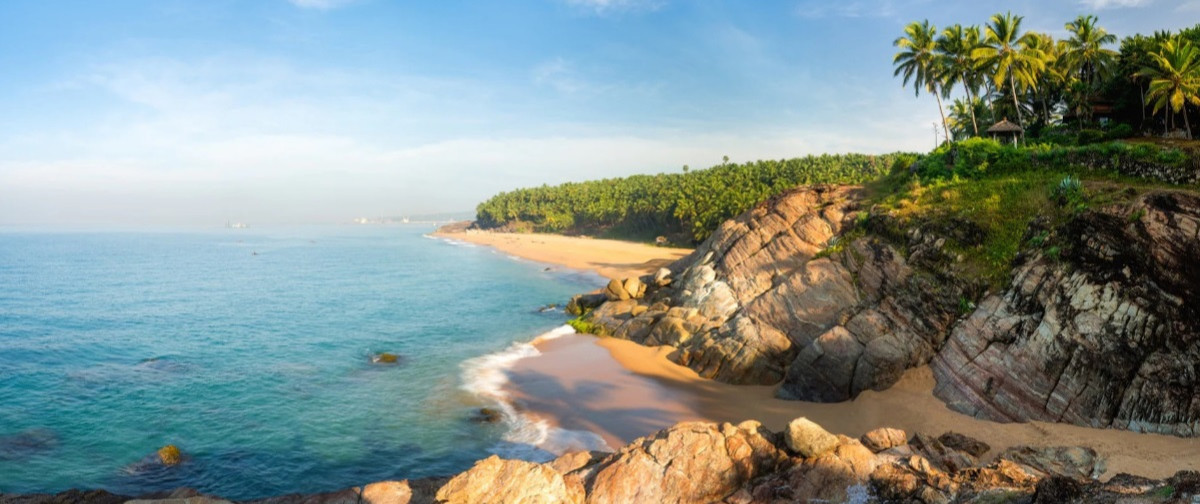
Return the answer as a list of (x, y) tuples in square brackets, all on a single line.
[(451, 241), (527, 438)]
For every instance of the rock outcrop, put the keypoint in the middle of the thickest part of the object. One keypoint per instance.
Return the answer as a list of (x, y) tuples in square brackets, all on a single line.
[(1107, 335), (758, 304), (496, 480), (698, 462)]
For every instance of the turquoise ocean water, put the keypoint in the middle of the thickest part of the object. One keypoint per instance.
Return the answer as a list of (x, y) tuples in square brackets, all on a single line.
[(249, 349)]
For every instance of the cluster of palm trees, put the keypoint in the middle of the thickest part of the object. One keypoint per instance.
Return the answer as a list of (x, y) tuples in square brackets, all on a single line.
[(1031, 78)]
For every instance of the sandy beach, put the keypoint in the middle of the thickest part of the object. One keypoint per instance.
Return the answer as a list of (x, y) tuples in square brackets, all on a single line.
[(611, 258), (622, 390)]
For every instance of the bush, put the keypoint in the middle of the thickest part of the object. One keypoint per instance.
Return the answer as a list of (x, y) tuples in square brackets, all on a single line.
[(1119, 131), (1068, 192), (971, 158), (1090, 136)]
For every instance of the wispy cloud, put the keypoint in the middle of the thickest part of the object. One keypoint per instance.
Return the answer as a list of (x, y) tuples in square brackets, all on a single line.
[(602, 7), (320, 4), (1114, 4), (560, 75), (817, 9), (1189, 6)]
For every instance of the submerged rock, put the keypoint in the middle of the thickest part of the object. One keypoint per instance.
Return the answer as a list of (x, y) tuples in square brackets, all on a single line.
[(170, 455), (27, 443), (386, 358), (487, 415)]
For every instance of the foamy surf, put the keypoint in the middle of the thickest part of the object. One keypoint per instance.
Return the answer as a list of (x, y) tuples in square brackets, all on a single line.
[(527, 438)]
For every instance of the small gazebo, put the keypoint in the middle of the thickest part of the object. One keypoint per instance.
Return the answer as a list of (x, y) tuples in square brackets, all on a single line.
[(1002, 130)]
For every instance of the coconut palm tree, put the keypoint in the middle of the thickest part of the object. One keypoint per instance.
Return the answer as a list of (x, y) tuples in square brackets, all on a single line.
[(1008, 53), (1051, 80), (963, 113), (1174, 75), (955, 46), (1085, 54), (918, 62)]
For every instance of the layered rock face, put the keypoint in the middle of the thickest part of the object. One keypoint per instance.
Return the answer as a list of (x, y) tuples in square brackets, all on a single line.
[(753, 305), (1107, 335)]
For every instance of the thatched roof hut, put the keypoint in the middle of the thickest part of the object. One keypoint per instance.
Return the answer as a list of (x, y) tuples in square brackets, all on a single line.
[(1005, 129)]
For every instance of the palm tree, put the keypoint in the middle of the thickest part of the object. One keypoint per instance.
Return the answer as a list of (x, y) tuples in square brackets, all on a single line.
[(955, 46), (1085, 54), (1174, 75), (1008, 53), (919, 63), (964, 111), (1051, 80)]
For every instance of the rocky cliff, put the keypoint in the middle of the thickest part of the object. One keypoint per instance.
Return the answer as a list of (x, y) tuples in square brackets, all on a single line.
[(1108, 334), (827, 298), (747, 464)]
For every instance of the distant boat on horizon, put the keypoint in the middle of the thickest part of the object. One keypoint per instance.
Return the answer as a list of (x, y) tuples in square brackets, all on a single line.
[(236, 225)]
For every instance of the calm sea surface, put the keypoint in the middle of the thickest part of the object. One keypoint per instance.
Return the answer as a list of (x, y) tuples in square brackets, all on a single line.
[(250, 350)]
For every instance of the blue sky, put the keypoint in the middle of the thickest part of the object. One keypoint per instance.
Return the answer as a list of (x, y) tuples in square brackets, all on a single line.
[(170, 112)]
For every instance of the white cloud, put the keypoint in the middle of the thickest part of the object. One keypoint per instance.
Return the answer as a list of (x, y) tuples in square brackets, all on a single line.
[(320, 4), (1113, 4), (602, 7)]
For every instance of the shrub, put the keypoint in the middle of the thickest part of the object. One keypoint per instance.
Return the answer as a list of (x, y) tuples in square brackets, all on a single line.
[(1119, 131), (1069, 191), (1090, 136)]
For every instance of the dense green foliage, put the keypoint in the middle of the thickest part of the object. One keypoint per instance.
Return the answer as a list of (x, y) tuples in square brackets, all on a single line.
[(977, 157), (992, 192), (685, 206)]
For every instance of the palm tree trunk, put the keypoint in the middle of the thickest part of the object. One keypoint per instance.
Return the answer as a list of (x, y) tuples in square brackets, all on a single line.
[(971, 100), (945, 127), (1012, 83), (991, 106), (1143, 96), (1187, 123)]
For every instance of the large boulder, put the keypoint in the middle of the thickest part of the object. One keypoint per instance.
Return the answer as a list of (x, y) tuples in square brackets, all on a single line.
[(883, 438), (497, 480), (807, 439), (836, 475), (1076, 462), (688, 463)]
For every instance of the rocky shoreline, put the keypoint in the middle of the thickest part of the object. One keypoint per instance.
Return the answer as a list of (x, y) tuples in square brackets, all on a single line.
[(828, 299), (701, 462)]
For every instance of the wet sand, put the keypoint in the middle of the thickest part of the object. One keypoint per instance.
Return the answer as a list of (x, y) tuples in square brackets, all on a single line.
[(611, 258), (622, 390)]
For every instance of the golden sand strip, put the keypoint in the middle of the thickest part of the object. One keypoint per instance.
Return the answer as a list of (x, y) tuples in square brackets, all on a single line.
[(622, 390), (611, 258)]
